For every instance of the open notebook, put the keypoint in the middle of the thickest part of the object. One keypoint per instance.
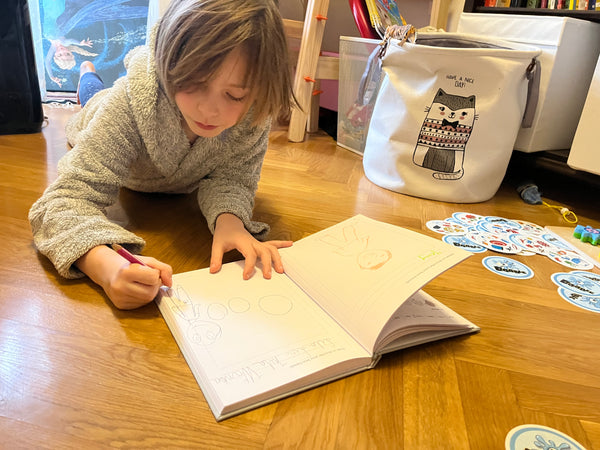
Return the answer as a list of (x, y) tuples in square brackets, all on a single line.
[(350, 294)]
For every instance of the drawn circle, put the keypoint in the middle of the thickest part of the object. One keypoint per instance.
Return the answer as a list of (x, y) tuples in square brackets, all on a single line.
[(204, 333), (216, 311), (276, 305), (239, 305), (539, 436), (463, 243), (373, 259), (507, 267)]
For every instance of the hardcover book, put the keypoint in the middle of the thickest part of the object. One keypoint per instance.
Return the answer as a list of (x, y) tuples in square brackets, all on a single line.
[(350, 294)]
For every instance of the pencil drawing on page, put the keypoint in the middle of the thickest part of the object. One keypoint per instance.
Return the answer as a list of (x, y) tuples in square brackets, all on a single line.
[(200, 331), (206, 331), (353, 244)]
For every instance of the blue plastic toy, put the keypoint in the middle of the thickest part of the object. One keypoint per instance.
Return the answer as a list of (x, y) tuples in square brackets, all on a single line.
[(587, 234)]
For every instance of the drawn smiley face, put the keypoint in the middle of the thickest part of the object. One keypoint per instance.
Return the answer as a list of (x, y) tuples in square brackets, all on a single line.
[(373, 259)]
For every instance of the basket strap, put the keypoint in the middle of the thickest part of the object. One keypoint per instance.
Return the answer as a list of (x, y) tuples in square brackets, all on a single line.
[(400, 32), (533, 92)]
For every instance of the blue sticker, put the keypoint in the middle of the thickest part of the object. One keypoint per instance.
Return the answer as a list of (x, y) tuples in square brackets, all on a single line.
[(589, 302), (468, 219), (531, 228), (590, 275), (576, 283), (570, 259), (464, 243), (446, 226), (530, 243), (507, 267), (505, 227), (496, 242), (539, 437), (556, 241)]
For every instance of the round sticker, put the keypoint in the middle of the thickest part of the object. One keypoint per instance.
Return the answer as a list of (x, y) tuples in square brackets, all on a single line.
[(507, 267), (539, 437), (494, 242), (569, 258), (530, 227), (464, 243), (576, 283), (531, 243), (504, 220), (557, 242), (506, 227), (468, 219), (589, 275), (446, 227), (589, 302)]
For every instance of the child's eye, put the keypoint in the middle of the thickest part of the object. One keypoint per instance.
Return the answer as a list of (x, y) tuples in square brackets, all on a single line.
[(236, 99)]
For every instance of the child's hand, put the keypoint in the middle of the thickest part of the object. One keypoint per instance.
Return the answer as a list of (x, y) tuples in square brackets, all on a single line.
[(128, 286), (230, 234)]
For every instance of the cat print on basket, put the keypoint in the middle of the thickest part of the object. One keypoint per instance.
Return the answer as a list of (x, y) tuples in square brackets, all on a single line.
[(444, 135)]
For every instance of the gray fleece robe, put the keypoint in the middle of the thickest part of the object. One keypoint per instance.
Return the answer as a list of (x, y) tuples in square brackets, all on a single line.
[(131, 135)]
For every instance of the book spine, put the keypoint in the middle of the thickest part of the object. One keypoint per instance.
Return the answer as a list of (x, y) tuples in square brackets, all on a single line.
[(582, 5), (490, 3), (533, 3), (551, 4), (592, 5), (544, 4)]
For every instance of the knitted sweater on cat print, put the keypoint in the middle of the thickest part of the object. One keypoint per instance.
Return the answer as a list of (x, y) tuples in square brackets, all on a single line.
[(130, 135)]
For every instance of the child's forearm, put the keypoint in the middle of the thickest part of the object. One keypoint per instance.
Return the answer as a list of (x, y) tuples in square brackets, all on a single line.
[(227, 220), (99, 264)]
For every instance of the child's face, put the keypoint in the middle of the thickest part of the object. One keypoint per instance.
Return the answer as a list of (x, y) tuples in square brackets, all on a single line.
[(212, 107)]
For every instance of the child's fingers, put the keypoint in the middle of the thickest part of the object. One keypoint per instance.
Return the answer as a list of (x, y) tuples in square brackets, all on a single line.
[(280, 244), (144, 275), (216, 259), (249, 266), (276, 260), (265, 259), (166, 271)]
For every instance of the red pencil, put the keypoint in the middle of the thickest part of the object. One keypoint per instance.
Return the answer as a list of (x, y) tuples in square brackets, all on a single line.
[(125, 254)]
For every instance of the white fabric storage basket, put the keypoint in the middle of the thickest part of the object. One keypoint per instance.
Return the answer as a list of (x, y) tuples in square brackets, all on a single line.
[(585, 153), (447, 115), (570, 49)]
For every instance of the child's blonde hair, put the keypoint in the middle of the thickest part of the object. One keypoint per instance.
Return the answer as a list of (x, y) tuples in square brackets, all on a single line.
[(195, 36)]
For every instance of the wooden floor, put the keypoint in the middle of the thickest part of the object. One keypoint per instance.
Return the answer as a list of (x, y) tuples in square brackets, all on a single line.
[(77, 373)]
